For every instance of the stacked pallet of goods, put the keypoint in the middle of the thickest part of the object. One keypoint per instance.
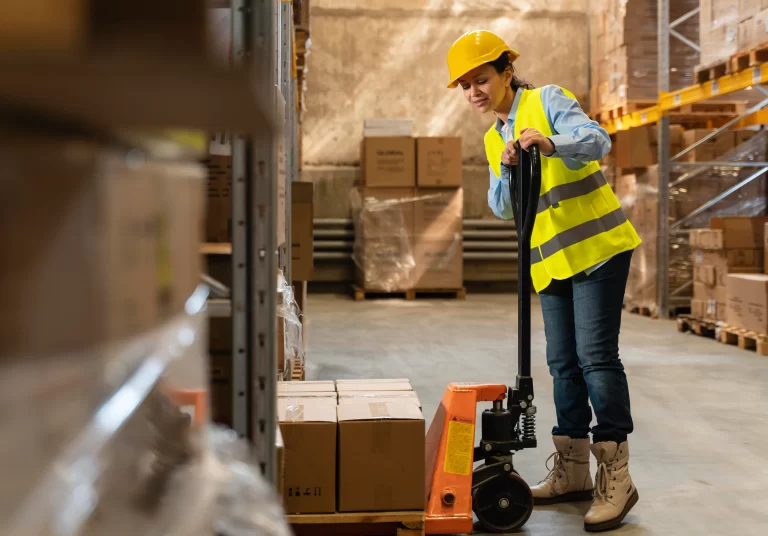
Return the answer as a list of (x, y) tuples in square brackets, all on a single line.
[(733, 35), (354, 455), (730, 297), (408, 211), (624, 58)]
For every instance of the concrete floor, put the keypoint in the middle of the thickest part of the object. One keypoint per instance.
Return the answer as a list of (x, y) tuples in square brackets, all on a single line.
[(699, 454)]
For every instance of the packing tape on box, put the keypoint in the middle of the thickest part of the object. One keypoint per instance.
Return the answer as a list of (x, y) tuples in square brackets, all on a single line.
[(294, 413), (379, 410)]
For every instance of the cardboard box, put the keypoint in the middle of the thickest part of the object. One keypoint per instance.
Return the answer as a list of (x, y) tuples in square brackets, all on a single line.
[(709, 150), (748, 302), (386, 212), (302, 231), (219, 206), (706, 238), (181, 196), (309, 429), (439, 264), (633, 148), (381, 457), (765, 248), (746, 33), (438, 214), (438, 162), (377, 128), (388, 162), (741, 233), (90, 263), (749, 8), (760, 25)]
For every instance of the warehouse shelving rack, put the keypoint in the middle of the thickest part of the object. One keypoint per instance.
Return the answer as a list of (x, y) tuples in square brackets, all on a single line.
[(753, 77), (262, 42)]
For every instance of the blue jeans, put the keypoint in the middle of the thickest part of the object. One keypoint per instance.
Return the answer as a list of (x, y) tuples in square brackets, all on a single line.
[(582, 319)]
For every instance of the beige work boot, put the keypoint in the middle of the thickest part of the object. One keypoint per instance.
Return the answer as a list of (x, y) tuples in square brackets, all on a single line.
[(569, 479), (615, 494)]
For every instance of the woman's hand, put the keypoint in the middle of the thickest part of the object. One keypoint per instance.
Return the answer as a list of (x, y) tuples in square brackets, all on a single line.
[(530, 136), (509, 155)]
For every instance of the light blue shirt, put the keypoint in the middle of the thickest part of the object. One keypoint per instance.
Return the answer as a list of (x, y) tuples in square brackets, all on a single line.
[(578, 140)]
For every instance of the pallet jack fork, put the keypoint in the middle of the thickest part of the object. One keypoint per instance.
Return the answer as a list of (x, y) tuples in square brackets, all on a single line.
[(494, 491)]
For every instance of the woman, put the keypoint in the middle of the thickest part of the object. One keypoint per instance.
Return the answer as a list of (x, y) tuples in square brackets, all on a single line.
[(581, 249)]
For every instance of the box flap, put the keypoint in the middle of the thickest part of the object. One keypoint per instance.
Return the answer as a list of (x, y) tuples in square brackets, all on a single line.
[(375, 411), (305, 410), (306, 387), (374, 386)]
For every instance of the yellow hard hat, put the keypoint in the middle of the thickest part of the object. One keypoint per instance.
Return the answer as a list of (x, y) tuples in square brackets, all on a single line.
[(472, 50)]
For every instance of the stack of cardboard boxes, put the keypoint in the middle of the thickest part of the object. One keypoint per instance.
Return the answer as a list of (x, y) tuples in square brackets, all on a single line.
[(637, 189), (731, 245), (408, 212), (623, 49), (748, 295), (730, 26), (352, 446)]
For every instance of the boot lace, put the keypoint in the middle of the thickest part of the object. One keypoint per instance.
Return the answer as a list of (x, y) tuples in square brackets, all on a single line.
[(602, 479), (557, 467)]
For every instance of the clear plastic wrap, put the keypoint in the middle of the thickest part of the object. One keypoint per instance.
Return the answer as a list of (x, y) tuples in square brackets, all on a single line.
[(142, 460), (638, 195), (408, 238), (289, 314)]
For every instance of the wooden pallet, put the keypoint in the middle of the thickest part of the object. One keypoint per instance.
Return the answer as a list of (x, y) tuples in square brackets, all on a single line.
[(705, 73), (362, 524), (744, 339), (298, 371), (640, 310), (360, 294), (749, 58), (714, 108), (618, 111), (700, 326)]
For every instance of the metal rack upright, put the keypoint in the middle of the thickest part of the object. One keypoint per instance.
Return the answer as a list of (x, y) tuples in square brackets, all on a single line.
[(261, 29)]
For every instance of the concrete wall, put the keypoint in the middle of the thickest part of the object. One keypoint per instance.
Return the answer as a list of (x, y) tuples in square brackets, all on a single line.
[(386, 59)]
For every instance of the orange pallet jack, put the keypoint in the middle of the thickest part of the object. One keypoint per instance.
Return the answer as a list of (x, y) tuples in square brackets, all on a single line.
[(494, 491)]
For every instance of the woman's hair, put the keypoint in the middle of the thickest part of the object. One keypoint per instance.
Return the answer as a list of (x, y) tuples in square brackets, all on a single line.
[(502, 63)]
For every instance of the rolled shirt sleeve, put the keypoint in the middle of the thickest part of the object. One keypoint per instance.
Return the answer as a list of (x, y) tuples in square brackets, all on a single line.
[(577, 137)]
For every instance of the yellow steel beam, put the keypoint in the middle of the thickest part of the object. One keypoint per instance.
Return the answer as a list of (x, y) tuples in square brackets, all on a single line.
[(646, 116), (724, 85), (757, 118)]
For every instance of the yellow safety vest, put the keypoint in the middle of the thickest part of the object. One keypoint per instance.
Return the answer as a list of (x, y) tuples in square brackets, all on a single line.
[(579, 221)]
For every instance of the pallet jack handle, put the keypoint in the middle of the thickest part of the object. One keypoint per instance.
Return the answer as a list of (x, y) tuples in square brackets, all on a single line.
[(524, 188)]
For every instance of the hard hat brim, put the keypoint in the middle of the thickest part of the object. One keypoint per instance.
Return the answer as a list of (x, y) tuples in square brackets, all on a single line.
[(482, 60)]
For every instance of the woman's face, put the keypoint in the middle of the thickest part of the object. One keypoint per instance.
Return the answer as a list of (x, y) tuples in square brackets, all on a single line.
[(485, 88)]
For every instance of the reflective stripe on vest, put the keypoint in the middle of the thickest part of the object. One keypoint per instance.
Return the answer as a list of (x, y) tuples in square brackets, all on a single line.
[(576, 234), (569, 190)]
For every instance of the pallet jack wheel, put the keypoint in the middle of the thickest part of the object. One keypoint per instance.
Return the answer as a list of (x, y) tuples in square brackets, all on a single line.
[(503, 504)]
